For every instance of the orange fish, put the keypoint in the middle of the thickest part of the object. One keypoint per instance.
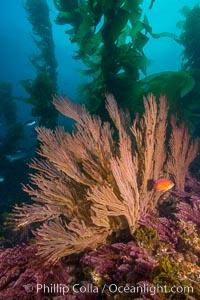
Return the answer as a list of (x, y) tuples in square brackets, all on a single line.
[(163, 184)]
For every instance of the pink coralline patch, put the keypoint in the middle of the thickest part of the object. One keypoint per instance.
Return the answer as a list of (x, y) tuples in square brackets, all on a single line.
[(21, 269)]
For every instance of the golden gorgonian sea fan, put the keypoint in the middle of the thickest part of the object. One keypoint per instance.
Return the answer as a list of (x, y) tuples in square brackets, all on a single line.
[(89, 184)]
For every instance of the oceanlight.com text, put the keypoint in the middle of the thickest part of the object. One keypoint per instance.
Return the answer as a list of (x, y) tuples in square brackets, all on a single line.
[(149, 289), (63, 289)]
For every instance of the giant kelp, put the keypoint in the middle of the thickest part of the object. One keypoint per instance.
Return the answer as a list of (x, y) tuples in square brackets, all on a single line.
[(11, 135), (110, 36), (175, 85), (182, 87), (189, 38), (44, 85), (12, 131)]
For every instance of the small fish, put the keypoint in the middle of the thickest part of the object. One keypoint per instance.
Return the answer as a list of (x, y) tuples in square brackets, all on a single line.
[(17, 156), (30, 123), (163, 184), (1, 179)]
